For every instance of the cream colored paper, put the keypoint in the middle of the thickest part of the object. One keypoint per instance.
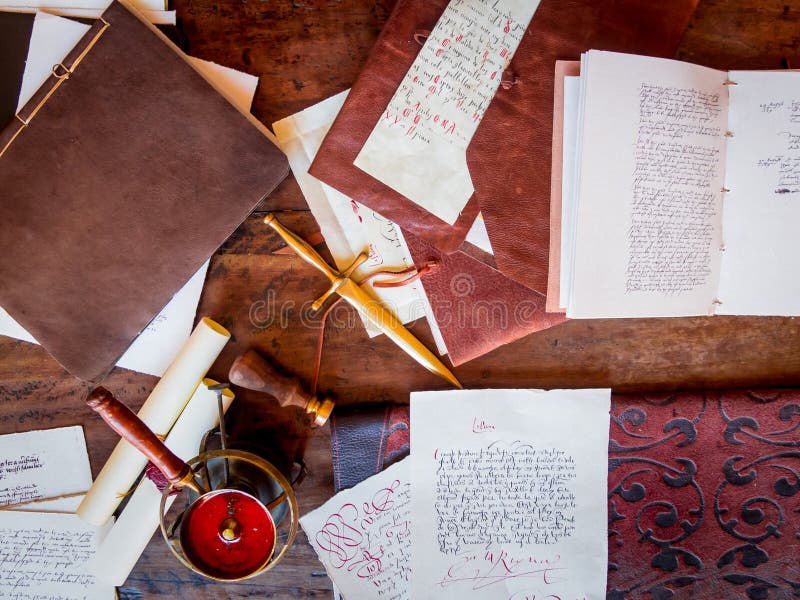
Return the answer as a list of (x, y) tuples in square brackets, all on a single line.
[(761, 263), (43, 556), (349, 227), (362, 536), (131, 533), (41, 464), (159, 413), (652, 159), (419, 146), (509, 494)]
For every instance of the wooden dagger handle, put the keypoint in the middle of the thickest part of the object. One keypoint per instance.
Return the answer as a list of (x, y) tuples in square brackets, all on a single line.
[(301, 248), (251, 371), (122, 420)]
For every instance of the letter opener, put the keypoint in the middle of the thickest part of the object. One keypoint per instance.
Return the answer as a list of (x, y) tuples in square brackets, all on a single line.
[(373, 310)]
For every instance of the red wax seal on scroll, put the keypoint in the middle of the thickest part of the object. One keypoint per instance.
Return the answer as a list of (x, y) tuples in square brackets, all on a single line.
[(228, 534)]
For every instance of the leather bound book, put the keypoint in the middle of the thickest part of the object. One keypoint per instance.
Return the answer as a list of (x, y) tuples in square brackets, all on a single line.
[(391, 57), (120, 177), (702, 493)]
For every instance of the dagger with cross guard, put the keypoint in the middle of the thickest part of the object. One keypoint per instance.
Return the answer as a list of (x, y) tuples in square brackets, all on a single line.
[(371, 309)]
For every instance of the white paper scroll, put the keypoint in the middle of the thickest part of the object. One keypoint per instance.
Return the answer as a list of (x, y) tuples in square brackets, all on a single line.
[(362, 536), (159, 413), (132, 531), (509, 494), (419, 146), (349, 227)]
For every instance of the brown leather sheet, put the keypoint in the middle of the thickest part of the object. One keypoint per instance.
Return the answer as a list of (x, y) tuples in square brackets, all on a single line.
[(126, 180), (509, 157)]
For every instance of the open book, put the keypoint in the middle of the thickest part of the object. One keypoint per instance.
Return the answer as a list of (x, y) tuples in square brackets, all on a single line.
[(684, 196)]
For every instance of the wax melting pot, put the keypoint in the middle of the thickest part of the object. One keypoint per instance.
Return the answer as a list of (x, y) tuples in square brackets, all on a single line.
[(223, 511)]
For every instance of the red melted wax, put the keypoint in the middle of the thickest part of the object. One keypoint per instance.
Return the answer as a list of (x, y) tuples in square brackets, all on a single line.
[(235, 514)]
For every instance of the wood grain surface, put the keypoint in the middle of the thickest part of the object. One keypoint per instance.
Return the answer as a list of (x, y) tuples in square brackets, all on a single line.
[(304, 51)]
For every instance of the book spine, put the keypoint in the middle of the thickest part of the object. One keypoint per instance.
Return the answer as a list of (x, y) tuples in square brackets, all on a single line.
[(60, 73)]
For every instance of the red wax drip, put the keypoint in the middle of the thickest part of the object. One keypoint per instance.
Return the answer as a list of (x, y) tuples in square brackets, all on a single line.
[(228, 534)]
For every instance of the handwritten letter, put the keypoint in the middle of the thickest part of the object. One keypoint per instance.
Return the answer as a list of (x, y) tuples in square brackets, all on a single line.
[(44, 464), (508, 503), (418, 148), (42, 557), (362, 536)]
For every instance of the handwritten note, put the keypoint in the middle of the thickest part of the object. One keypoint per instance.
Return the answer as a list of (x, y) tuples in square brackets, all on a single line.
[(675, 207), (44, 464), (42, 557), (507, 502), (419, 145), (362, 536), (762, 255)]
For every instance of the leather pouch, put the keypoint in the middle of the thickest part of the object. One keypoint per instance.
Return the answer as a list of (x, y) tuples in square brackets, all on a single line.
[(131, 171)]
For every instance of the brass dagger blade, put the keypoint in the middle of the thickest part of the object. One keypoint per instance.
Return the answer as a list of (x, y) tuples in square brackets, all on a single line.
[(373, 310)]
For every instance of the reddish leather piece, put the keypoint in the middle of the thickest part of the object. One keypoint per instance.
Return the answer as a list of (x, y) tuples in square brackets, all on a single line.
[(476, 307), (509, 156), (129, 177), (391, 57)]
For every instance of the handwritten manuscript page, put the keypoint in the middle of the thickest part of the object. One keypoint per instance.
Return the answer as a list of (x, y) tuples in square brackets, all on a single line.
[(509, 494), (43, 557), (419, 146), (362, 536), (652, 156), (762, 209)]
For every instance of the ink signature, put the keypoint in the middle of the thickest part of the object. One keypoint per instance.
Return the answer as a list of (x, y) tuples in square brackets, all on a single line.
[(497, 566)]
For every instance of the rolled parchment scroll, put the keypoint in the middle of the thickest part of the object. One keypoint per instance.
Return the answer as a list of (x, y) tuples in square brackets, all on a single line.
[(133, 530), (159, 413)]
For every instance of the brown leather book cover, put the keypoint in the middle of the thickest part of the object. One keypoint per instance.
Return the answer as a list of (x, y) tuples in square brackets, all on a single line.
[(509, 157), (391, 57), (131, 171)]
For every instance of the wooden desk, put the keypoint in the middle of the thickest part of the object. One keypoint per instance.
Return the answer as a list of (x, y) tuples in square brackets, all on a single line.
[(305, 51)]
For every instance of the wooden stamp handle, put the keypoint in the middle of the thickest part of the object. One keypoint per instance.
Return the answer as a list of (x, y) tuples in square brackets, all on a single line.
[(122, 420), (251, 371)]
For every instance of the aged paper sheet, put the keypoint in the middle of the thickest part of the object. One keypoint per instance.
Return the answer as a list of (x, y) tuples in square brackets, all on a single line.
[(362, 536), (651, 171), (762, 209), (44, 464), (509, 494), (43, 555), (418, 147)]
